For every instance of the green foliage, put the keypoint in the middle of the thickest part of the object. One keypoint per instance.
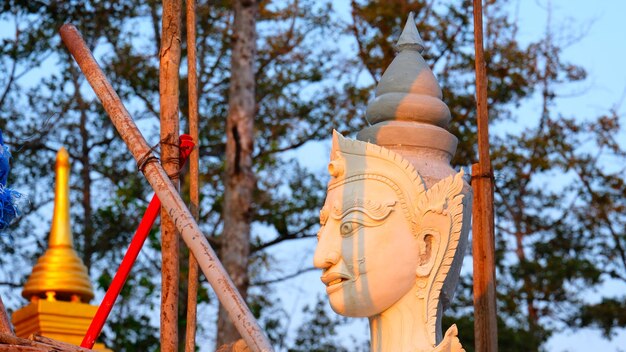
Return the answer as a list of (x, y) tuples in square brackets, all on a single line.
[(133, 333), (560, 194), (606, 315), (558, 201), (318, 332)]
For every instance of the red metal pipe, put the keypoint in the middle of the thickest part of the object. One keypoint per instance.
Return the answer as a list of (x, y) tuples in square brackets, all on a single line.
[(186, 146)]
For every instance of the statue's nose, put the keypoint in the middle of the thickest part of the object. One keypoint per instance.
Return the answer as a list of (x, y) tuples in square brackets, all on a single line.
[(325, 261), (326, 253), (332, 258)]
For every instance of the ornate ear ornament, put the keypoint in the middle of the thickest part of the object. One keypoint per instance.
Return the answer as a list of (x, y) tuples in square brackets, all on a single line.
[(429, 240), (444, 201)]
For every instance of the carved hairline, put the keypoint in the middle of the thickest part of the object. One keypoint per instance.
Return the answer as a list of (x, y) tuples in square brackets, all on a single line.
[(345, 145), (342, 145)]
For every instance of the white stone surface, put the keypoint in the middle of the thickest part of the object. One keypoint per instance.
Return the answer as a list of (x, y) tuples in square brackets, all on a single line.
[(395, 221), (390, 248)]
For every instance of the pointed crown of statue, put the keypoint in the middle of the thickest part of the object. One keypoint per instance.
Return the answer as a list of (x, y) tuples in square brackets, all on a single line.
[(408, 109), (408, 102)]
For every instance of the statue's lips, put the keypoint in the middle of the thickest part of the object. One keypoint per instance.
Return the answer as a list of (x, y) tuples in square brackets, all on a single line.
[(334, 280)]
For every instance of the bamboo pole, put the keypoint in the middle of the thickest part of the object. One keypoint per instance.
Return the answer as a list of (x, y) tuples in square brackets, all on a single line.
[(170, 199), (169, 66), (483, 246), (11, 339), (57, 345), (5, 323), (194, 195), (36, 343)]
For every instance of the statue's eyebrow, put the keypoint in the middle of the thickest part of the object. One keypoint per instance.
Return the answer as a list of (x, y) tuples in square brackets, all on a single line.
[(374, 209)]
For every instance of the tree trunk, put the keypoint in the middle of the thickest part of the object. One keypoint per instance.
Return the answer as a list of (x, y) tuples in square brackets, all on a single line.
[(168, 90), (239, 179)]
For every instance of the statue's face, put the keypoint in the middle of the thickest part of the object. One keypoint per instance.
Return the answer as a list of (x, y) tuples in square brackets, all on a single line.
[(366, 249)]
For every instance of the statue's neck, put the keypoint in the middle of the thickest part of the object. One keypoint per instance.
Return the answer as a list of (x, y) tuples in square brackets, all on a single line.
[(401, 328)]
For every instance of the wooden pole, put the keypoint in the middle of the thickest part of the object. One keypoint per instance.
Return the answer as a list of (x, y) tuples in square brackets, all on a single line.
[(36, 343), (194, 188), (485, 321), (169, 94), (210, 265), (5, 323)]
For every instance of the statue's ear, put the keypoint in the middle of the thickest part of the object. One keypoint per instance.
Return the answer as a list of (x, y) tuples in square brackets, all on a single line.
[(428, 240)]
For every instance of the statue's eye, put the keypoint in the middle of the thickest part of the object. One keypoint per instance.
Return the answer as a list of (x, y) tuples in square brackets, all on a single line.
[(345, 228), (348, 228)]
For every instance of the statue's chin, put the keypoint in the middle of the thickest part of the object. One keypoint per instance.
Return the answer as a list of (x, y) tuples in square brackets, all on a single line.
[(352, 310), (355, 307), (351, 300)]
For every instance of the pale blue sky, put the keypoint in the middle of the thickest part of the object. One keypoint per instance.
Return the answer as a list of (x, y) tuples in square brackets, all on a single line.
[(601, 49)]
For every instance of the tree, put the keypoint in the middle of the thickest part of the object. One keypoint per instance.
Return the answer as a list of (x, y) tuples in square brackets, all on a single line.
[(239, 179), (303, 89), (129, 54), (318, 333), (545, 248), (59, 111)]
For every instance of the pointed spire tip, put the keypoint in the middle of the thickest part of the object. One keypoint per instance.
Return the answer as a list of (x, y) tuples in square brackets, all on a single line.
[(63, 157), (410, 37)]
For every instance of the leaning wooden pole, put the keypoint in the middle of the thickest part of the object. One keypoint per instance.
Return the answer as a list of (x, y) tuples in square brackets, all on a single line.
[(485, 322), (169, 66), (210, 265), (194, 189)]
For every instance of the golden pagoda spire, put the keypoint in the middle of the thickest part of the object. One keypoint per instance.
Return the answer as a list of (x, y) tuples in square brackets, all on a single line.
[(60, 273), (61, 232), (59, 286)]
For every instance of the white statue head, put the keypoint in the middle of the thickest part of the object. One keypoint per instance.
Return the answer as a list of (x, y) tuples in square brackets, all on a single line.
[(385, 238)]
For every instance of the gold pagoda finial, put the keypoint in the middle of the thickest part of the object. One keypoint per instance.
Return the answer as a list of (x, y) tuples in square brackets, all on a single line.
[(61, 233), (60, 273)]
